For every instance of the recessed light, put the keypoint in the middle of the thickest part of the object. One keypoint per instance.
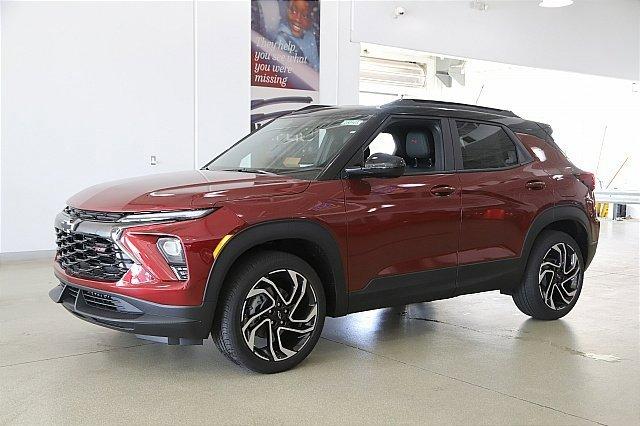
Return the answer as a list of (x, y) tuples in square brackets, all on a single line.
[(555, 3)]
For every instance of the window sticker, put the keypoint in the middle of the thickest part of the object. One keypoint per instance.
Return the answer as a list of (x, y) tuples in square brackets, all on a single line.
[(291, 161), (352, 122)]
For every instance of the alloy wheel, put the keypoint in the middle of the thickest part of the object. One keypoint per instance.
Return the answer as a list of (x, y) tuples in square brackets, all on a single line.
[(279, 314), (559, 276)]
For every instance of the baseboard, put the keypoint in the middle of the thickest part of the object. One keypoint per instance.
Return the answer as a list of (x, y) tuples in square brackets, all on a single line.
[(25, 256)]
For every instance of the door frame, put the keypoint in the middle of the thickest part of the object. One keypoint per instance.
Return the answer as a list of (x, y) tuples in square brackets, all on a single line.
[(447, 140), (493, 274), (523, 155)]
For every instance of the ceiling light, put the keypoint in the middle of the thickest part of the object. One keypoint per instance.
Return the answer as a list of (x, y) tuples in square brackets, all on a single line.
[(555, 3)]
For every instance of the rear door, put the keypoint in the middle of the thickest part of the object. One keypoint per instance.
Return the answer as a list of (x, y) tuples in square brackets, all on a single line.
[(502, 191)]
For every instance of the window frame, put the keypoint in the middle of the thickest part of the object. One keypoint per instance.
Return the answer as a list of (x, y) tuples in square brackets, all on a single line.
[(523, 155), (447, 145)]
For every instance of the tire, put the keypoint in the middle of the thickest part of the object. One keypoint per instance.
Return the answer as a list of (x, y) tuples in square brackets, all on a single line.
[(553, 278), (271, 312)]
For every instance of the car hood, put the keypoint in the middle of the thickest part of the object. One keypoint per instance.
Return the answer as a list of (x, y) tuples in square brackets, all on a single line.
[(183, 190)]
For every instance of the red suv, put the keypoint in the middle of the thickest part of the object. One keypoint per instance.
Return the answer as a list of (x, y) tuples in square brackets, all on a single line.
[(329, 211)]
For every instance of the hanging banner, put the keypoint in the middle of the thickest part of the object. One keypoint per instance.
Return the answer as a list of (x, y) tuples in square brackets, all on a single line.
[(285, 57)]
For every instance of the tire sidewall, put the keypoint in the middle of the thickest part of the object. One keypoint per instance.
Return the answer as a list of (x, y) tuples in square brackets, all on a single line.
[(546, 241), (266, 263)]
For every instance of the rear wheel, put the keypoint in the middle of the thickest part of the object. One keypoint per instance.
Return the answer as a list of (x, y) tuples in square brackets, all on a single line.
[(553, 277), (271, 313)]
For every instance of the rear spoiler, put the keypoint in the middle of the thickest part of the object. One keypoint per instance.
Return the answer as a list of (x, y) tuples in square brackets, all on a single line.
[(547, 129)]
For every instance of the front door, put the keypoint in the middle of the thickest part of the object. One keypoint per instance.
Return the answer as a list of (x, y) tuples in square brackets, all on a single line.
[(403, 232)]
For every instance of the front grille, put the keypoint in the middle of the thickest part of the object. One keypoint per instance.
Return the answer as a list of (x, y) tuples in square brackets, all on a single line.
[(98, 300), (93, 215), (90, 256)]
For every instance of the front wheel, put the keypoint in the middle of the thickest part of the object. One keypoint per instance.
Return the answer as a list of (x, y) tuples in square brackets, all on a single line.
[(553, 277), (271, 312)]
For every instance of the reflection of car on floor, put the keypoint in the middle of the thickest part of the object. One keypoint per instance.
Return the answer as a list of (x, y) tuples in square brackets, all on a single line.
[(329, 211)]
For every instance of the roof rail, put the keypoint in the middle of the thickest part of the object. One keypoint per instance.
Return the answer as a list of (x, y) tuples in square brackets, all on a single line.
[(313, 106), (453, 105)]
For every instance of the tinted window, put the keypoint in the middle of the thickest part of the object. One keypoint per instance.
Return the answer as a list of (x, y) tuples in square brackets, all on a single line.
[(417, 141), (298, 144), (485, 146)]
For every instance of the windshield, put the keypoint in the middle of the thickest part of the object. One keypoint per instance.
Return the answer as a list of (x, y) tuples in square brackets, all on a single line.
[(300, 145)]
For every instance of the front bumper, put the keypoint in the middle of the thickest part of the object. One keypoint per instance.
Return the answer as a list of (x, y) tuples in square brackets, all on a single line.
[(180, 324)]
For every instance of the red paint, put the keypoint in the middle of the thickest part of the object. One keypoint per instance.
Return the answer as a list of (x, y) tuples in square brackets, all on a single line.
[(199, 238), (381, 226), (497, 210), (397, 226), (182, 191)]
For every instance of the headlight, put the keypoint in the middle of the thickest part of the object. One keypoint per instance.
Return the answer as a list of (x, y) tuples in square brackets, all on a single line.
[(158, 217), (173, 252)]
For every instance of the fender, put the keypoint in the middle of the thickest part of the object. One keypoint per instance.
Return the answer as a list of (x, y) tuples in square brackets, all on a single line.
[(265, 232), (513, 270), (547, 217)]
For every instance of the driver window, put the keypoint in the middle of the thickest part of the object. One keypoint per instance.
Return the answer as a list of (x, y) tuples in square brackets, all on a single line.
[(383, 144), (417, 140)]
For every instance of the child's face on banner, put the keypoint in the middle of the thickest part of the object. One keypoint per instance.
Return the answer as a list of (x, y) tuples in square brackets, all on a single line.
[(298, 15)]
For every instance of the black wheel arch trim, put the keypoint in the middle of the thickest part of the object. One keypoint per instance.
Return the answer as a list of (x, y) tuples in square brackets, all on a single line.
[(261, 233), (556, 214)]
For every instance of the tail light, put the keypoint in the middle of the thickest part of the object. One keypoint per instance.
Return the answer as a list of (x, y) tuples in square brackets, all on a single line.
[(588, 179)]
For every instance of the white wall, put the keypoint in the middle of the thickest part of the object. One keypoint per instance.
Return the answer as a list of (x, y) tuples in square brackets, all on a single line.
[(90, 91), (339, 55), (591, 36), (223, 57)]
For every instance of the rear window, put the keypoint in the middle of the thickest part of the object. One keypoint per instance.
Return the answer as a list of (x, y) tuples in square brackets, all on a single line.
[(485, 146)]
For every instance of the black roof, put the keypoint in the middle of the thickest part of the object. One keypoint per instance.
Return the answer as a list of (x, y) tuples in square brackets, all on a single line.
[(445, 109), (427, 103), (422, 105)]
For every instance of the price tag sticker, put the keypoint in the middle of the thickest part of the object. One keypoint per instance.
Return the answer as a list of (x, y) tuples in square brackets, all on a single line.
[(352, 122)]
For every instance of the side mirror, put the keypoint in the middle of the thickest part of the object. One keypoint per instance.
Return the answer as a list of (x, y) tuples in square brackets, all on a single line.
[(378, 165)]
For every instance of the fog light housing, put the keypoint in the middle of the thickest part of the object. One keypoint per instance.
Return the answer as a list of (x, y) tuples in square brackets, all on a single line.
[(138, 274), (173, 252)]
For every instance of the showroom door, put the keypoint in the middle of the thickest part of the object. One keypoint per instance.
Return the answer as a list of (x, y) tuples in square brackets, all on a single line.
[(403, 232), (502, 191)]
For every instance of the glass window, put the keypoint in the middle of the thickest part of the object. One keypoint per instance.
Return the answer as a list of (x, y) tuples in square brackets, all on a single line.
[(417, 140), (485, 146), (297, 144), (383, 144)]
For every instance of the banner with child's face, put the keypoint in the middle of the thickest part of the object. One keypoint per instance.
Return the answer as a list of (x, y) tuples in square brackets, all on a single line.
[(285, 56)]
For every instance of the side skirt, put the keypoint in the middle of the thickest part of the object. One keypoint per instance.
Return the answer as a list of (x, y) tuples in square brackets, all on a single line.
[(404, 289), (504, 275), (437, 284)]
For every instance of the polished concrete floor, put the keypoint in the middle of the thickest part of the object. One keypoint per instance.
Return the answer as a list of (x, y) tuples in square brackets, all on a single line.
[(471, 360)]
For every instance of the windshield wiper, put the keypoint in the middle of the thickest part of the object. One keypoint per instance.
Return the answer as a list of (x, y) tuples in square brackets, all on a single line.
[(248, 170)]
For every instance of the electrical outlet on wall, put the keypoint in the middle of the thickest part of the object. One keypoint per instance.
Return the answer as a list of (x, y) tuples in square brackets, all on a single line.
[(154, 160)]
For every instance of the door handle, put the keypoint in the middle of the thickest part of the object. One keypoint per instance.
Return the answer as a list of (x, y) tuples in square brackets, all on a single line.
[(442, 190), (536, 185)]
